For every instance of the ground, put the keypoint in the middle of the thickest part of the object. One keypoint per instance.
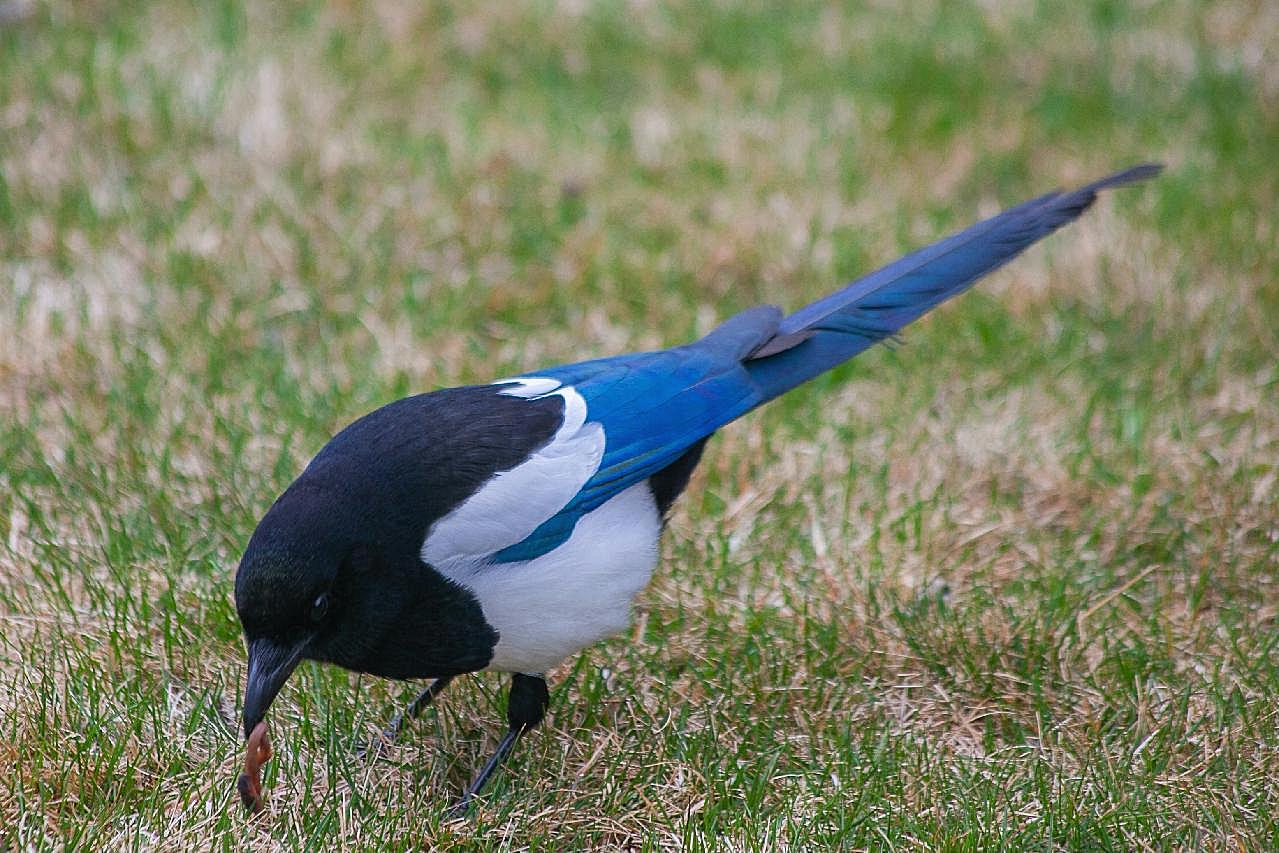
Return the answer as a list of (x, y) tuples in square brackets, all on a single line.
[(1011, 582)]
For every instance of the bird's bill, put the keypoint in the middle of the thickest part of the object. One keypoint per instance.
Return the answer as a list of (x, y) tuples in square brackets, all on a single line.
[(270, 664)]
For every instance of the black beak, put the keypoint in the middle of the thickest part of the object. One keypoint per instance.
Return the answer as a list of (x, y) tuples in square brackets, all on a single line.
[(270, 665)]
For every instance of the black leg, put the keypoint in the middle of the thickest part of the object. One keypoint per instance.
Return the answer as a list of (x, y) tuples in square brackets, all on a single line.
[(412, 712), (527, 707)]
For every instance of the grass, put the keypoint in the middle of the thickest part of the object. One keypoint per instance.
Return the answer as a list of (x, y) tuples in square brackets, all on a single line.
[(1010, 585)]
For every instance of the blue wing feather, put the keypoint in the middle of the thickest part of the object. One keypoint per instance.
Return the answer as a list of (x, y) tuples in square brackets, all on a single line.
[(653, 407)]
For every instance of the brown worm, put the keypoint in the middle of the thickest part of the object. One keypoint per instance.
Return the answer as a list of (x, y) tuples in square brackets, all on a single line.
[(257, 752)]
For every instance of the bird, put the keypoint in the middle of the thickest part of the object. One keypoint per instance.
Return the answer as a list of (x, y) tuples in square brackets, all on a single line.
[(508, 526)]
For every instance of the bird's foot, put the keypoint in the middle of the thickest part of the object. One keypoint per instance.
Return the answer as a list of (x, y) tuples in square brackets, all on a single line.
[(375, 746), (462, 806), (525, 709)]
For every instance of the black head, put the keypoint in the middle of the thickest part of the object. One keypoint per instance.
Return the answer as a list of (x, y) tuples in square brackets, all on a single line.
[(313, 586), (298, 590)]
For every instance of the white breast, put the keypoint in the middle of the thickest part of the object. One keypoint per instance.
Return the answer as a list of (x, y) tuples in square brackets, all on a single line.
[(551, 607)]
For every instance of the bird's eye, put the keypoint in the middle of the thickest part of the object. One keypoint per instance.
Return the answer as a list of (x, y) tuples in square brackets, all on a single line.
[(319, 609)]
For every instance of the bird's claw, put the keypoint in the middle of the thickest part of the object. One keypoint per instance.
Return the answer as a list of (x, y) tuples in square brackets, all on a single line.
[(379, 744), (461, 808)]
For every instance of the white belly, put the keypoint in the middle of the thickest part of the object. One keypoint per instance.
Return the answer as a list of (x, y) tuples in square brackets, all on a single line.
[(551, 607)]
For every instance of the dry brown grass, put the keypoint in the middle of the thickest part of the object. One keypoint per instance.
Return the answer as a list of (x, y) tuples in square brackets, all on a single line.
[(1010, 584)]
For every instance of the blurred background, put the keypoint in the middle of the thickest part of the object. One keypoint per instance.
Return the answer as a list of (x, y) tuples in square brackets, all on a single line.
[(1009, 584)]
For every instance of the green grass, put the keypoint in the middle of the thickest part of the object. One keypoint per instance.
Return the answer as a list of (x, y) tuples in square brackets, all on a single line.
[(1013, 584)]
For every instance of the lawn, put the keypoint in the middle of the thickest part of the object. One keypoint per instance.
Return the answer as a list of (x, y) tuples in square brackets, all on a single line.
[(1011, 583)]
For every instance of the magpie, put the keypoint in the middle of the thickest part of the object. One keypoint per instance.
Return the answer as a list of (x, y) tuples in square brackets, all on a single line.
[(508, 526)]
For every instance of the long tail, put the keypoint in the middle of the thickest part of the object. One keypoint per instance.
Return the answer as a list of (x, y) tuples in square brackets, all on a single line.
[(832, 330)]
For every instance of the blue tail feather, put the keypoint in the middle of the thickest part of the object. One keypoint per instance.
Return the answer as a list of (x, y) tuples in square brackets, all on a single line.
[(835, 328), (654, 407)]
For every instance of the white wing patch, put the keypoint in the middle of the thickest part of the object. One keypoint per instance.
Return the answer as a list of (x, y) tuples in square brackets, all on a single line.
[(515, 502), (529, 387)]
